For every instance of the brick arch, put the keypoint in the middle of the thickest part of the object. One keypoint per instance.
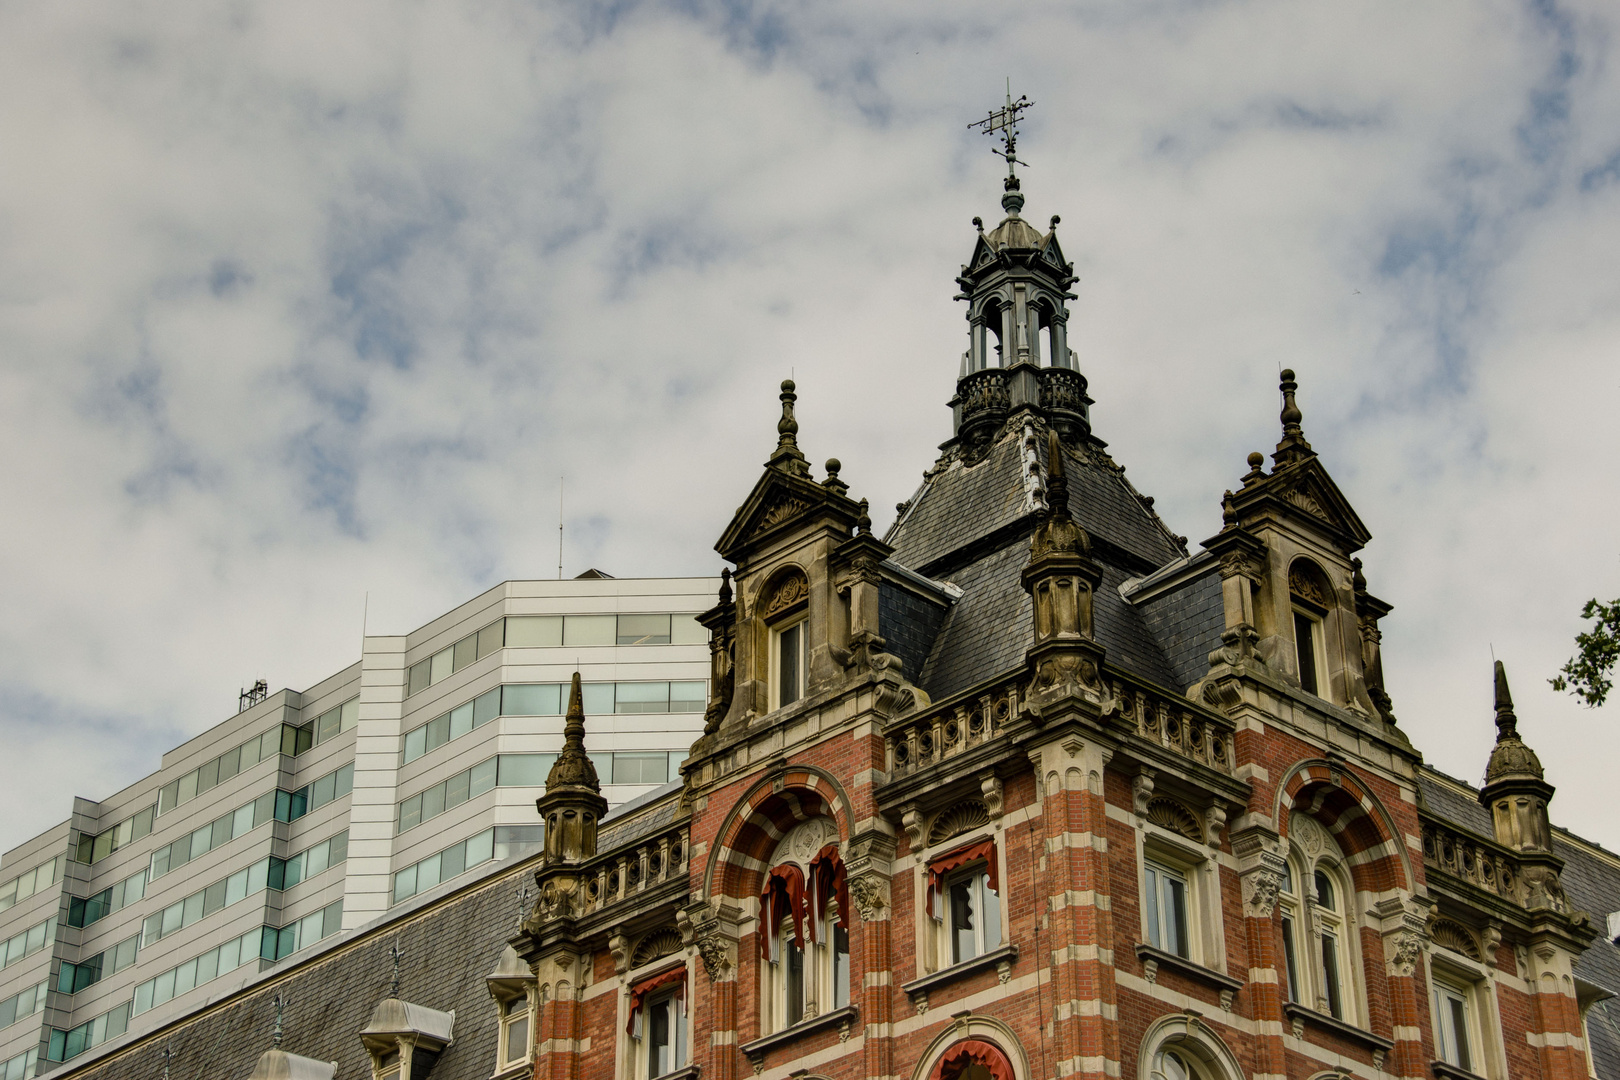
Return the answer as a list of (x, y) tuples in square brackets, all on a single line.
[(760, 819), (974, 1027), (1375, 850)]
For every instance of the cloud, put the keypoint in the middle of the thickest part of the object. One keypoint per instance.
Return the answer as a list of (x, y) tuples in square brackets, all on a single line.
[(301, 303)]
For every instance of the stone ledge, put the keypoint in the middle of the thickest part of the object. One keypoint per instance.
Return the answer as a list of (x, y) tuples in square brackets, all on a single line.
[(1444, 1070), (1001, 958), (1153, 959), (1301, 1016), (842, 1018)]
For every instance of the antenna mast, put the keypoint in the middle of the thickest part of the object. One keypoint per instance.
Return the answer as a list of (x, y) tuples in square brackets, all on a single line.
[(560, 480), (1005, 120)]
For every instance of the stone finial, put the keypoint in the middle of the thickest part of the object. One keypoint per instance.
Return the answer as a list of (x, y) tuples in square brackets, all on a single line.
[(1293, 445), (1229, 514), (725, 585), (1507, 724), (978, 223), (787, 456), (833, 483), (1257, 471), (1057, 481), (573, 767), (1511, 757), (1053, 226), (863, 523), (1358, 580)]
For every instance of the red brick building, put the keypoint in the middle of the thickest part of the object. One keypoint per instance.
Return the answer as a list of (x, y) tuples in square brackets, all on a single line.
[(1027, 789)]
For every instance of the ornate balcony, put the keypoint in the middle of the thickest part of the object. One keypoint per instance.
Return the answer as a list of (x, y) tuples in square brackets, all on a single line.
[(630, 870), (1168, 722)]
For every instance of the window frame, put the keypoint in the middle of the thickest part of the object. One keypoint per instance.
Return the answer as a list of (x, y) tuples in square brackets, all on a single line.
[(977, 878), (1317, 622), (507, 1021), (797, 621), (1192, 862), (819, 967), (1474, 984), (1313, 925), (937, 933)]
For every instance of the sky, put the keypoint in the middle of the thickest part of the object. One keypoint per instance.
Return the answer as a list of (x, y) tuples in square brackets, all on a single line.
[(312, 314)]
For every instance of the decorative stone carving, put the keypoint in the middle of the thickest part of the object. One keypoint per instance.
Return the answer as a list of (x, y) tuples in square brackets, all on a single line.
[(1305, 582), (990, 788), (1171, 815), (654, 945), (1214, 825), (964, 816), (1260, 888), (1402, 950), (619, 949), (1491, 940), (911, 820), (1452, 935), (792, 590), (1308, 835), (1142, 791), (716, 954), (870, 895)]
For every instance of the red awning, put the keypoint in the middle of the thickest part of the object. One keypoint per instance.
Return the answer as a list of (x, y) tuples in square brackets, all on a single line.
[(783, 894), (983, 851), (644, 989), (827, 880), (955, 1061)]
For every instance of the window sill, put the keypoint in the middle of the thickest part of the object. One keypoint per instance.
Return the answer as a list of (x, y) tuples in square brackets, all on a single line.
[(1001, 958), (1301, 1016), (843, 1019), (1444, 1070), (685, 1072), (514, 1069), (1155, 959)]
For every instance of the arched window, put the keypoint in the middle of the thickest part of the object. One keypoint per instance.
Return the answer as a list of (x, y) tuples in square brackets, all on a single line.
[(785, 608), (1317, 917), (1311, 597), (1179, 1047), (804, 928)]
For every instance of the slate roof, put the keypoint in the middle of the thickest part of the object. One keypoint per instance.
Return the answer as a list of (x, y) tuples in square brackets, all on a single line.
[(1593, 885)]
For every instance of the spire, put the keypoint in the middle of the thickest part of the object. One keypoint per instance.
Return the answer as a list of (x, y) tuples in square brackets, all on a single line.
[(1293, 446), (573, 804), (1507, 725), (787, 456), (1516, 790), (1057, 481), (573, 767)]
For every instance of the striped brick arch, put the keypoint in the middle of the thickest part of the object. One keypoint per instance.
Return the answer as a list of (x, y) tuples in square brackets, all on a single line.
[(1374, 851), (759, 821)]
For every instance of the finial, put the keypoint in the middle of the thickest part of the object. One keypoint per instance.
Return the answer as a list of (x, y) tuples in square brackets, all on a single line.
[(396, 956), (523, 904), (1053, 226), (1057, 483), (1005, 120), (1256, 472), (168, 1055), (863, 524), (978, 223), (1358, 580), (787, 427), (280, 1003), (832, 483), (1507, 725), (1291, 416), (725, 585), (573, 767), (1228, 511)]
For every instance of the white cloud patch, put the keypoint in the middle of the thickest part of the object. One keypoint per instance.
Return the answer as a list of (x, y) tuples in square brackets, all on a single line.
[(301, 302)]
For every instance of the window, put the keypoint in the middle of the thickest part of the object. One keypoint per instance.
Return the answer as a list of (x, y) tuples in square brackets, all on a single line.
[(665, 1035), (514, 1047), (964, 899), (1170, 1065), (1316, 913), (1307, 642), (804, 929), (1165, 909), (788, 662), (1453, 1029)]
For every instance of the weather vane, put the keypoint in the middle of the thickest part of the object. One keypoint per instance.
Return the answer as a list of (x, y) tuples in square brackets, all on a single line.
[(523, 904), (393, 986), (1005, 120), (280, 1004)]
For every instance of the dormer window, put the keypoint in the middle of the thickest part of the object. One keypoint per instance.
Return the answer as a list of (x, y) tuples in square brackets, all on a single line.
[(785, 610), (515, 1032), (512, 986), (1310, 598), (789, 661)]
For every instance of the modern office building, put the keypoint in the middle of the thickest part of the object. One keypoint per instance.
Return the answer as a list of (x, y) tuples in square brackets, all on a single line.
[(312, 811)]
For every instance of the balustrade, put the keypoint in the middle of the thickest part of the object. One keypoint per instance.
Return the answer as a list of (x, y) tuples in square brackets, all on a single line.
[(1465, 857), (622, 873)]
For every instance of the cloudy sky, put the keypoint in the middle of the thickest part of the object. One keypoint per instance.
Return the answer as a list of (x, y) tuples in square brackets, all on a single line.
[(303, 302)]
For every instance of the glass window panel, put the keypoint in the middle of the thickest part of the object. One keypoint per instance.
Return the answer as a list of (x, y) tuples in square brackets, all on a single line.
[(415, 744), (350, 714), (185, 977), (1324, 891), (201, 841), (686, 630), (1150, 900), (289, 741), (465, 652), (1176, 912), (1292, 988), (992, 913), (340, 847), (191, 909), (323, 790), (1330, 974), (173, 918), (345, 781), (461, 720), (643, 630), (521, 770), (264, 808), (169, 797), (315, 859), (328, 725), (223, 830), (531, 699), (427, 873), (453, 860), (293, 871), (441, 662), (517, 1038), (208, 776), (534, 631), (207, 965), (590, 630), (597, 698), (640, 768), (410, 813), (333, 913), (213, 898), (487, 707), (789, 644), (143, 996), (963, 938), (229, 954), (481, 777), (641, 697), (259, 876), (490, 637), (688, 696), (1305, 643), (433, 802), (249, 753), (188, 787), (230, 763), (236, 887), (270, 743), (405, 884), (438, 732), (418, 679), (480, 848), (455, 790)]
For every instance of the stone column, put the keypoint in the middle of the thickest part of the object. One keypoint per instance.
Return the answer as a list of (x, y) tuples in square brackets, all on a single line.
[(869, 869), (1555, 1013), (1260, 870), (713, 1029), (558, 1021), (1073, 882)]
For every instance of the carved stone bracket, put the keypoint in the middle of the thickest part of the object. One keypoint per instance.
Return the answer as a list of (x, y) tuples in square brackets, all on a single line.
[(1142, 790), (1260, 868), (1401, 952), (990, 788), (619, 949), (869, 864), (870, 895)]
